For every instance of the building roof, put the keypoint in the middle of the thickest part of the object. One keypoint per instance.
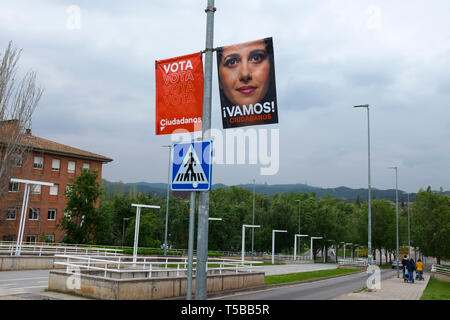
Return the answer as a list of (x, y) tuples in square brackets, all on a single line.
[(44, 145), (48, 146)]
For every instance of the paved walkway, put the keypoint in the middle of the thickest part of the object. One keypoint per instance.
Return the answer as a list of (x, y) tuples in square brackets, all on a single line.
[(391, 289)]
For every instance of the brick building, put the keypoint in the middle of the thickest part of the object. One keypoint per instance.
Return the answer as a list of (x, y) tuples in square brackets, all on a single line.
[(47, 161)]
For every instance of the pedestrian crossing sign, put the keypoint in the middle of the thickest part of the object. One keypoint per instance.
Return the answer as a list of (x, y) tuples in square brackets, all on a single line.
[(192, 166)]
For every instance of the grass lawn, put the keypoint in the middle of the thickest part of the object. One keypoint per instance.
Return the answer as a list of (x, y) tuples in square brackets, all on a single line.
[(436, 290), (300, 276)]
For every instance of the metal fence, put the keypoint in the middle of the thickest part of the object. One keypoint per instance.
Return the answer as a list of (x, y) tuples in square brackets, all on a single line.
[(441, 269), (112, 267), (51, 249)]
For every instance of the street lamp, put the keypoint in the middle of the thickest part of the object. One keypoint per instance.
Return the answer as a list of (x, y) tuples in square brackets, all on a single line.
[(299, 204), (243, 237), (167, 204), (295, 244), (369, 233), (253, 217), (409, 238), (23, 212), (396, 217), (311, 251), (136, 228), (123, 228), (273, 243)]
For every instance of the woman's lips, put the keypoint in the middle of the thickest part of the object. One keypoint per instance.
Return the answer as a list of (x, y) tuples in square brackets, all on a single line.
[(246, 89)]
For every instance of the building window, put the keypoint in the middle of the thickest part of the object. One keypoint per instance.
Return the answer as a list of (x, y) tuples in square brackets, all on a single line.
[(11, 213), (31, 238), (50, 237), (54, 190), (71, 167), (67, 214), (33, 214), (56, 164), (8, 238), (13, 187), (35, 189), (86, 165), (16, 160), (51, 214), (38, 163)]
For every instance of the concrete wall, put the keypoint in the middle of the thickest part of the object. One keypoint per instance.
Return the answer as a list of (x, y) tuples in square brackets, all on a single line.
[(146, 289), (8, 263), (440, 276)]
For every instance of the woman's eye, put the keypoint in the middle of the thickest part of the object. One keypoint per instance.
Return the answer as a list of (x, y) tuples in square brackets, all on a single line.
[(257, 57), (231, 62)]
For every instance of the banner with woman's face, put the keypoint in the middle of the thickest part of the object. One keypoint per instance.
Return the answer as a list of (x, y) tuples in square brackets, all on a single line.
[(247, 84)]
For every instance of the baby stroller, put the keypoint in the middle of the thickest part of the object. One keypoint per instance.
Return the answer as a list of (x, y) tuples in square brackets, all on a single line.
[(421, 276)]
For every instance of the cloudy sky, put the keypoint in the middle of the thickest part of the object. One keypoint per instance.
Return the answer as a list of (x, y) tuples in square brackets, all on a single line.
[(99, 79)]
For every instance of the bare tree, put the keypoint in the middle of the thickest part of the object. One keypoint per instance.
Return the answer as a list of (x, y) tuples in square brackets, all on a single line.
[(18, 100)]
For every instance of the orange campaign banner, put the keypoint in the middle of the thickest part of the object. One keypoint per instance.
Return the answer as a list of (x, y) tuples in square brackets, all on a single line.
[(179, 94)]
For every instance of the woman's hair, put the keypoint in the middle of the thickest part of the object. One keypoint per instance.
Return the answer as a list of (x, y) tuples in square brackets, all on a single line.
[(271, 92)]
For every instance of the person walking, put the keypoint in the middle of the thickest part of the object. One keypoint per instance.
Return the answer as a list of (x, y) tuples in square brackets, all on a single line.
[(411, 267), (404, 265), (419, 269)]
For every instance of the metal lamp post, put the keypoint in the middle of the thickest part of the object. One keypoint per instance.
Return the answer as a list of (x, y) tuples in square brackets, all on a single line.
[(167, 202), (369, 232), (273, 243), (409, 229), (24, 209), (396, 219), (295, 244), (253, 217), (136, 228), (243, 238)]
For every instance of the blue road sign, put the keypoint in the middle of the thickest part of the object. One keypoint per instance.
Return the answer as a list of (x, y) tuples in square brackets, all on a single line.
[(192, 166)]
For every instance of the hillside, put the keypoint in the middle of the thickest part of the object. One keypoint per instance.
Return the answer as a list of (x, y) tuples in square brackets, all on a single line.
[(342, 193)]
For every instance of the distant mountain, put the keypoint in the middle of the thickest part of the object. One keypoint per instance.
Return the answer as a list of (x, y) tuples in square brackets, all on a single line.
[(342, 193)]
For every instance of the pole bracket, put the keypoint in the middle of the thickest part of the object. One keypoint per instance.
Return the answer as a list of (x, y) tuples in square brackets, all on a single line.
[(210, 9), (208, 49)]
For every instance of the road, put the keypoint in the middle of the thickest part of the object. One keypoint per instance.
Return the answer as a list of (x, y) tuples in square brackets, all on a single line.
[(23, 283), (319, 290)]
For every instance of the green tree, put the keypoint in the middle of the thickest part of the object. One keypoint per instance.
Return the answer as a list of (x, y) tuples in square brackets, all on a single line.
[(81, 223), (430, 224)]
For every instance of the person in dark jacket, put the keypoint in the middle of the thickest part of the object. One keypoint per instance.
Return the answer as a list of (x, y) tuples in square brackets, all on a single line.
[(411, 267), (404, 264)]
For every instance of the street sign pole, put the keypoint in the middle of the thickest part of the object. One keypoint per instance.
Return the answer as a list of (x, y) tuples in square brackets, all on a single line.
[(190, 246), (203, 207)]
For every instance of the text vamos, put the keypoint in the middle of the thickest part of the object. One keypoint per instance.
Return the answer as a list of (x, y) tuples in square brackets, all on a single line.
[(251, 109)]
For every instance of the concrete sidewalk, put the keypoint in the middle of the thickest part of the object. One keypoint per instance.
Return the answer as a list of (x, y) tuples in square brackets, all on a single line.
[(391, 289)]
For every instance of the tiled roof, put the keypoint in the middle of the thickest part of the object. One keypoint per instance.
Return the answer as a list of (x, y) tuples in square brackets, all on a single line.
[(41, 144), (38, 143)]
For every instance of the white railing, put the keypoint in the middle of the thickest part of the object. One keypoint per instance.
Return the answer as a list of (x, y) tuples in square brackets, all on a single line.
[(355, 261), (440, 269), (150, 265), (54, 249)]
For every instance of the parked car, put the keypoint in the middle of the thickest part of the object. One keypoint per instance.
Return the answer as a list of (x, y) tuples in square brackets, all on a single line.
[(394, 264)]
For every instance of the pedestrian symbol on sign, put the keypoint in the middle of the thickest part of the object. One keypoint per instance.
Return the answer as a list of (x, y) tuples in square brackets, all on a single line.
[(193, 173)]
